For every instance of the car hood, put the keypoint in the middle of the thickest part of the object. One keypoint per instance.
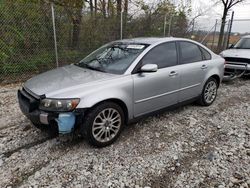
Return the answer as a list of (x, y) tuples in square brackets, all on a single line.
[(64, 77), (241, 53)]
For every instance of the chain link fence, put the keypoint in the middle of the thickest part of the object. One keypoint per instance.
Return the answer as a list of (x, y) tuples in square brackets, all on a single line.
[(28, 41), (233, 31), (210, 38)]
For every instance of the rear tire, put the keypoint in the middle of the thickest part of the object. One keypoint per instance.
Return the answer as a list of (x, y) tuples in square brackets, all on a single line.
[(209, 92), (103, 124)]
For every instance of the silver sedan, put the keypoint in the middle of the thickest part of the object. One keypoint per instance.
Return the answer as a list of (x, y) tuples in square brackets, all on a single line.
[(119, 83)]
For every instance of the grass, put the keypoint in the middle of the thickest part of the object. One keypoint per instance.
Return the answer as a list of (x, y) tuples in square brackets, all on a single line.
[(22, 66)]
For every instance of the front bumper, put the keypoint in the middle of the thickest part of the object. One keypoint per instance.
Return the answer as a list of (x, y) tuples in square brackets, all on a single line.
[(237, 66), (29, 105), (235, 69)]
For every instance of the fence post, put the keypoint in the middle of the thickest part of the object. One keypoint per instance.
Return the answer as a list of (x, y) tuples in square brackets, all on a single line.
[(225, 37), (54, 31), (169, 27), (192, 33), (214, 34), (165, 23), (121, 25), (230, 29)]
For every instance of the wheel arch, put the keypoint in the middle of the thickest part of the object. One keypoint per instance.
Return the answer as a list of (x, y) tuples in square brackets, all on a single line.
[(217, 78), (119, 102)]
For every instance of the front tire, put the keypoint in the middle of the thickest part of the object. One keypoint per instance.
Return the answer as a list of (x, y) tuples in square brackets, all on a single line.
[(103, 124), (209, 92)]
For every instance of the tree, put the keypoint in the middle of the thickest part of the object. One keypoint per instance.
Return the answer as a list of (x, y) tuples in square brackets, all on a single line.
[(91, 6), (150, 22), (103, 8), (200, 10), (125, 11), (227, 5), (74, 11)]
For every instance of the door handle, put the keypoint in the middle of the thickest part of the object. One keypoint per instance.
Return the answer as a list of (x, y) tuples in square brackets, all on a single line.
[(204, 67), (173, 73)]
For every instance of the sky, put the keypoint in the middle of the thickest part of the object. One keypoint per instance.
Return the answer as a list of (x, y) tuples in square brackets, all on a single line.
[(207, 21)]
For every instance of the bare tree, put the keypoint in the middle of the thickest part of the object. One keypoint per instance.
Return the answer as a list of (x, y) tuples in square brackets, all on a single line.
[(95, 7), (199, 11), (91, 7), (125, 14), (227, 5), (119, 8)]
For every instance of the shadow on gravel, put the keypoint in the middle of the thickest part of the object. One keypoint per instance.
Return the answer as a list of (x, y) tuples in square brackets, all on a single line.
[(64, 142), (239, 81), (27, 146)]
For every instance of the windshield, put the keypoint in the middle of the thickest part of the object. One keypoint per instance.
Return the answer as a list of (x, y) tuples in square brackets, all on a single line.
[(243, 43), (113, 58)]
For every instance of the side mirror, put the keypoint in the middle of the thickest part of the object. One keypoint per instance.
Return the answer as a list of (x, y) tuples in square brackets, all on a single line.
[(231, 46), (149, 68)]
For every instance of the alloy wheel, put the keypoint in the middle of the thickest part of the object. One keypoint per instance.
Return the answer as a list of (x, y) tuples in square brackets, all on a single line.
[(210, 92), (106, 125)]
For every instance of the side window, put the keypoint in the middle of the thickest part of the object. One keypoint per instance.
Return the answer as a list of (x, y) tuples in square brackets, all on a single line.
[(206, 54), (164, 55), (189, 53)]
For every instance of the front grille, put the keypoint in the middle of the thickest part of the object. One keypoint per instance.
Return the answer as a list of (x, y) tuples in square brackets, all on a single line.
[(237, 59), (27, 102)]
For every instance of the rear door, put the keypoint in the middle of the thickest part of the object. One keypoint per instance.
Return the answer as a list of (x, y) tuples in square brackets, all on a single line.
[(194, 63), (156, 90)]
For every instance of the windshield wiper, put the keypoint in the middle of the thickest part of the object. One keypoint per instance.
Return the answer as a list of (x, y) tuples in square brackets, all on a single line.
[(86, 65), (93, 68)]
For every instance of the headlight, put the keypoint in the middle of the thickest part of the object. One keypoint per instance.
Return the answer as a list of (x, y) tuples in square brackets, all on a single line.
[(61, 105)]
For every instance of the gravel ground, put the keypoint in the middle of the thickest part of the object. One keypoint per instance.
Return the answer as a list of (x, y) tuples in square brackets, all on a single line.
[(191, 146)]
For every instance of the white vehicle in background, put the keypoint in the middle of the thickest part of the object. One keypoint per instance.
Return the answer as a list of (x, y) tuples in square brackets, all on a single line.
[(237, 59)]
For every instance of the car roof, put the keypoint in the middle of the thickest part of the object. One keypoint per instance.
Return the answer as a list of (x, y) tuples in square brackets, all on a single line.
[(157, 40), (246, 36), (149, 40)]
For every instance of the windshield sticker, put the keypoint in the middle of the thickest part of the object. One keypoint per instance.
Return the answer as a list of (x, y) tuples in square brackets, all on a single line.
[(135, 46)]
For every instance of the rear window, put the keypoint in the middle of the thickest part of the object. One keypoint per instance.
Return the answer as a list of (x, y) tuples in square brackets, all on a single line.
[(206, 54)]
